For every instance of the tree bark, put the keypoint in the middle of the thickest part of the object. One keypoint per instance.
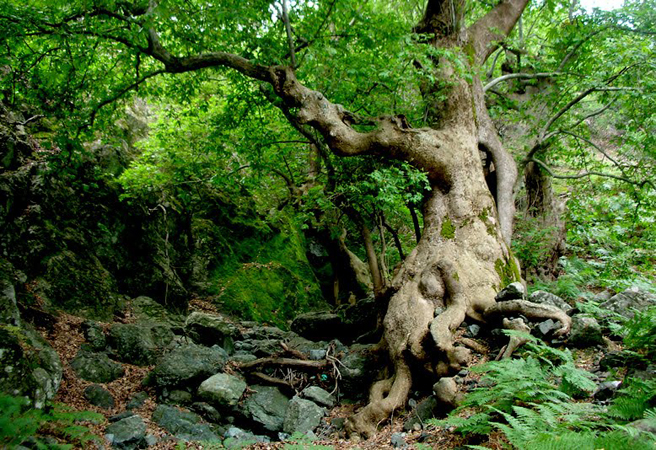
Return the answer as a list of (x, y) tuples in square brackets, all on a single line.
[(463, 256)]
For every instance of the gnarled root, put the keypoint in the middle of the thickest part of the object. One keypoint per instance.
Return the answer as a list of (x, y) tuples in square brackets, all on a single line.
[(515, 341), (442, 328), (385, 396), (533, 311)]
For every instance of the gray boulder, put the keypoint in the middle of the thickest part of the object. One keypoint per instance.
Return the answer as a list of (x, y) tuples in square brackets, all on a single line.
[(137, 401), (359, 368), (625, 302), (236, 438), (176, 397), (585, 332), (320, 396), (258, 332), (139, 344), (426, 409), (8, 308), (96, 367), (263, 348), (302, 416), (99, 396), (546, 328), (148, 310), (647, 425), (606, 390), (514, 291), (547, 298), (210, 329), (188, 365), (267, 406), (206, 411), (30, 367), (318, 325), (93, 333), (222, 390), (128, 433), (183, 425)]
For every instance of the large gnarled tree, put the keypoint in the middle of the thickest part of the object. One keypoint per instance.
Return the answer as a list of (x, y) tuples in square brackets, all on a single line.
[(463, 257)]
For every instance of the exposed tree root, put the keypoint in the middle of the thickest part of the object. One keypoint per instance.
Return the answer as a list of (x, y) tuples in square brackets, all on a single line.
[(533, 311), (385, 396), (515, 341), (290, 362)]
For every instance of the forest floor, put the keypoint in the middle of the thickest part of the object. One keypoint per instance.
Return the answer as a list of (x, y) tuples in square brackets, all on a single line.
[(66, 338)]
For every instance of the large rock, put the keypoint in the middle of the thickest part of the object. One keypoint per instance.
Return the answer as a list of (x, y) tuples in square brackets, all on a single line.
[(267, 406), (188, 365), (625, 302), (99, 396), (222, 390), (210, 329), (514, 291), (30, 367), (236, 438), (318, 325), (302, 416), (149, 311), (183, 425), (139, 344), (359, 369), (320, 396), (547, 298), (128, 433), (96, 367), (94, 335), (585, 332), (426, 409), (8, 308), (360, 320)]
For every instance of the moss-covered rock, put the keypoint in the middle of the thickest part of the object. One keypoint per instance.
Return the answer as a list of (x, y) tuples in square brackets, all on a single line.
[(269, 281), (31, 368), (139, 344)]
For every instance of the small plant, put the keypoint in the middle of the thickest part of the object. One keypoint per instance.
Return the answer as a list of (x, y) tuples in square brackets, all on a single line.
[(639, 333), (544, 376), (300, 441), (19, 422)]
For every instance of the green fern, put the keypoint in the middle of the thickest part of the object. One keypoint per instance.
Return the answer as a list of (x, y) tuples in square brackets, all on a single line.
[(18, 422), (634, 400), (639, 333)]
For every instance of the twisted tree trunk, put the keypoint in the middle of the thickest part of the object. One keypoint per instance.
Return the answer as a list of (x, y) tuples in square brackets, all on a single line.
[(462, 258)]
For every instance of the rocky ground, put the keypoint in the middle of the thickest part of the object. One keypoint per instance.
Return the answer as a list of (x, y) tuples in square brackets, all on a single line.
[(159, 378)]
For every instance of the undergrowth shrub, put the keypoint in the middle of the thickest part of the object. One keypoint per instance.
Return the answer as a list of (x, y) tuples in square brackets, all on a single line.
[(529, 399), (544, 376), (19, 422), (640, 333)]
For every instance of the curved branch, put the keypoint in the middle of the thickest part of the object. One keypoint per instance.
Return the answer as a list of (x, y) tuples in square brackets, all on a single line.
[(493, 27), (519, 75), (119, 94), (593, 173), (288, 30)]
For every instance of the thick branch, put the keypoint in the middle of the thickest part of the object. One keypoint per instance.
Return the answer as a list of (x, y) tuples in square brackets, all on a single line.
[(523, 76), (493, 27), (287, 362), (288, 29)]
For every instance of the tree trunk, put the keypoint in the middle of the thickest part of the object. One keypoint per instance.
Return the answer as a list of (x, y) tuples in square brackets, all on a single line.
[(460, 263), (545, 208), (463, 256)]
